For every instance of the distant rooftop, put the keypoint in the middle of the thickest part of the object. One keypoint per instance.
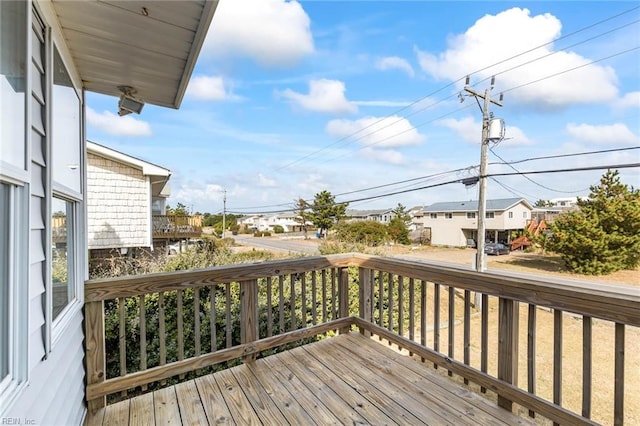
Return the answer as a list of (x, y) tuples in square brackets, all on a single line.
[(472, 206)]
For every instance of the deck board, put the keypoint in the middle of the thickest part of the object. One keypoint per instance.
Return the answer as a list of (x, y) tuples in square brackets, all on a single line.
[(348, 379)]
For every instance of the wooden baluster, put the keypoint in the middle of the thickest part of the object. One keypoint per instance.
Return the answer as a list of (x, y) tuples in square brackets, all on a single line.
[(423, 314), (314, 301), (196, 323), (557, 357), (412, 307), (334, 294), (365, 285), (467, 330), (292, 300), (380, 300), (507, 346), (586, 366), (143, 336), (436, 319), (531, 353), (228, 326), (303, 299), (249, 315), (180, 325), (484, 336), (323, 279), (390, 313), (452, 325), (162, 332), (122, 338), (281, 302), (618, 408), (269, 309), (343, 296), (213, 317), (400, 307), (95, 353)]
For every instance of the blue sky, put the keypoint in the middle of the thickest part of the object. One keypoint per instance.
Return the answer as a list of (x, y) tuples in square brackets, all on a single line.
[(291, 98)]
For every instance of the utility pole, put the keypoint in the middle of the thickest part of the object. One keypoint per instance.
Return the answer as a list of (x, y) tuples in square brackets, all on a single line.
[(484, 148), (224, 211)]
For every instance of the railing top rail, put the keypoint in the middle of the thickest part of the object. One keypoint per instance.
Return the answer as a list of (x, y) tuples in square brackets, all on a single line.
[(135, 285), (611, 302)]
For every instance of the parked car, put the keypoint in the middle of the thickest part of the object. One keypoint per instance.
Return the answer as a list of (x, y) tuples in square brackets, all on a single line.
[(496, 248)]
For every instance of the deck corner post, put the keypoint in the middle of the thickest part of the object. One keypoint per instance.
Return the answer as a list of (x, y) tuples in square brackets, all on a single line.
[(364, 295), (343, 296), (95, 350), (508, 326), (249, 315)]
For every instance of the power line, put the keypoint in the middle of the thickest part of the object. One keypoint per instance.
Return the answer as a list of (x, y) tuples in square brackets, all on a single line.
[(475, 72), (575, 154), (489, 175), (531, 180)]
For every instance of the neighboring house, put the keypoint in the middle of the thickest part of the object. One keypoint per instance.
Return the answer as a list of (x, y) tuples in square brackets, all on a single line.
[(380, 215), (52, 51), (123, 195), (288, 221), (455, 223)]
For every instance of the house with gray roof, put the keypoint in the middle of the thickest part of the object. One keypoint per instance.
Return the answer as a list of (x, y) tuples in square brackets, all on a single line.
[(455, 223), (379, 215)]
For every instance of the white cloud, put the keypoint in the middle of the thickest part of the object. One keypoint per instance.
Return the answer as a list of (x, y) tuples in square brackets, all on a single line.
[(391, 104), (386, 132), (394, 62), (113, 124), (467, 128), (274, 33), (190, 193), (265, 182), (616, 134), (629, 100), (494, 38), (390, 156), (324, 96), (514, 136), (210, 88)]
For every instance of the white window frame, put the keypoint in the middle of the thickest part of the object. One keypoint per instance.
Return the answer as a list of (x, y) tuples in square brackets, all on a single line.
[(448, 215), (471, 215), (524, 214), (510, 215), (433, 215), (18, 273), (490, 215)]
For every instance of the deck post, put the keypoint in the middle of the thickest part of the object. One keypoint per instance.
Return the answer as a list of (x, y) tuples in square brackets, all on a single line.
[(508, 325), (249, 315), (343, 296), (94, 349), (365, 286)]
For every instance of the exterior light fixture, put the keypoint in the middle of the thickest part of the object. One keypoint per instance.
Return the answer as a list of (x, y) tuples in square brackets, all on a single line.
[(128, 103)]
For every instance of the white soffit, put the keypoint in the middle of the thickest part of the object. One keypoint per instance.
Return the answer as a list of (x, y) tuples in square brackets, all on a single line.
[(148, 169), (150, 45)]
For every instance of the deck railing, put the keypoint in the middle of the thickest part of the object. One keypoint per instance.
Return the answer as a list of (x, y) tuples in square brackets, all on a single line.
[(163, 326), (176, 227)]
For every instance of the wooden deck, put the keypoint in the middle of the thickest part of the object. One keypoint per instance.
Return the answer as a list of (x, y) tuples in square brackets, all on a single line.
[(348, 379)]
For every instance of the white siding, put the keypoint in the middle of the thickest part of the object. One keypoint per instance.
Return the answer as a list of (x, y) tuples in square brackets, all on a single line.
[(118, 204), (54, 393)]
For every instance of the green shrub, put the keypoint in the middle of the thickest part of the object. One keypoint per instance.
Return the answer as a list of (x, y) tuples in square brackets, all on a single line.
[(367, 232), (278, 229)]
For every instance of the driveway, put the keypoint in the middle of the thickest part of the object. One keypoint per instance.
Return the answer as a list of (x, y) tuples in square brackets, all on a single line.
[(281, 244)]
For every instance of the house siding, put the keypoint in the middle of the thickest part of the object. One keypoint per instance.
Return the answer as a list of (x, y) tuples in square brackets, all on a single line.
[(118, 204), (53, 392)]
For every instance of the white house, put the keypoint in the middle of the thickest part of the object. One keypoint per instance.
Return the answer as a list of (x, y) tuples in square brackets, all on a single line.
[(123, 195), (455, 223), (288, 221), (379, 215), (52, 51)]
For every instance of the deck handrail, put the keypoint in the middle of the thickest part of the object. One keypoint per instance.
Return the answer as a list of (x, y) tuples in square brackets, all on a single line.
[(389, 291)]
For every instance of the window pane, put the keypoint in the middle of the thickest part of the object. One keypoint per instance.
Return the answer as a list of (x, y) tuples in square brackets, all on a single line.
[(12, 81), (62, 256), (5, 223), (65, 127)]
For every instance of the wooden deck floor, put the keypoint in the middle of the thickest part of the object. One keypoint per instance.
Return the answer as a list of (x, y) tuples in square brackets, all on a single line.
[(347, 379)]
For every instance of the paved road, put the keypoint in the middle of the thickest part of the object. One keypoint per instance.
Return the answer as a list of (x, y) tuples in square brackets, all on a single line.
[(277, 244)]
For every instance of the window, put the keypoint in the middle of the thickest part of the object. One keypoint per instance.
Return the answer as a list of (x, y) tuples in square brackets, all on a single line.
[(13, 295), (66, 138), (524, 215), (489, 215), (13, 69), (471, 215), (62, 259), (448, 215), (433, 215), (510, 215)]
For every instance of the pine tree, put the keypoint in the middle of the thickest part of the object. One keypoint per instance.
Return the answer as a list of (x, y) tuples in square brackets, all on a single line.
[(325, 212), (603, 236)]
